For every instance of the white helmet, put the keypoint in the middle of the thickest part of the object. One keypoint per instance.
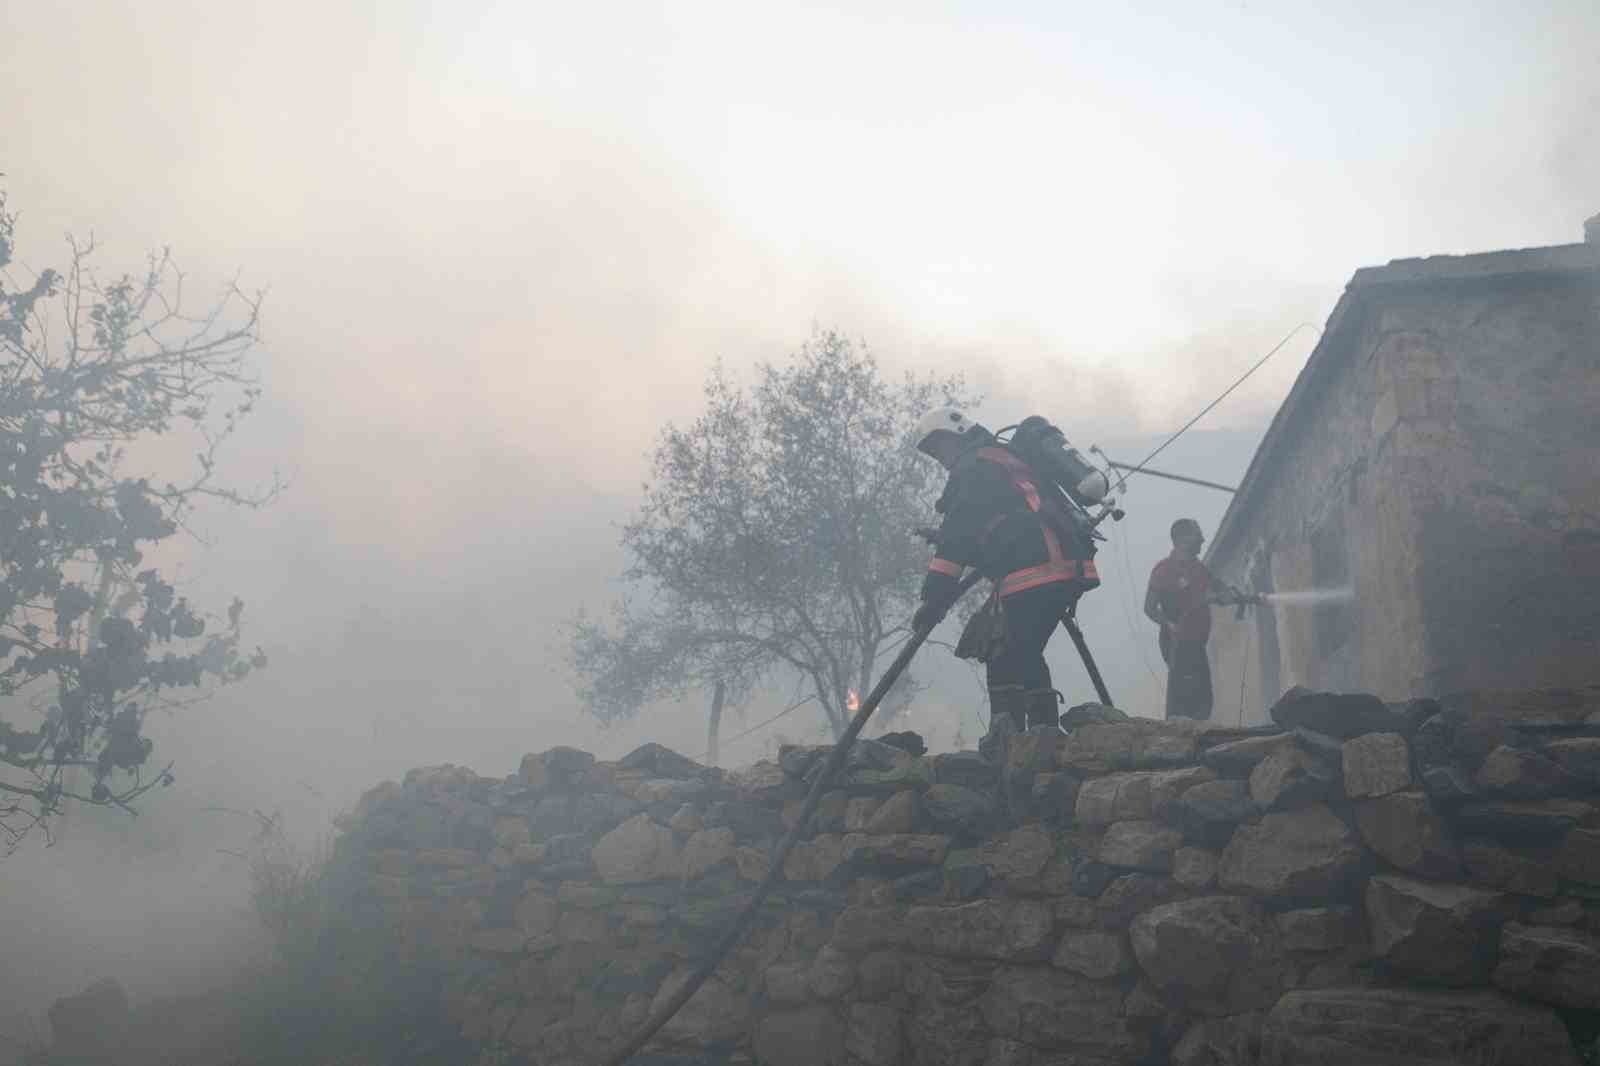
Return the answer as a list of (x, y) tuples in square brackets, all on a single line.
[(942, 420)]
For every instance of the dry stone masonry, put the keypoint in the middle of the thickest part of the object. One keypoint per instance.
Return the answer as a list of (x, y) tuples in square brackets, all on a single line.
[(1413, 885)]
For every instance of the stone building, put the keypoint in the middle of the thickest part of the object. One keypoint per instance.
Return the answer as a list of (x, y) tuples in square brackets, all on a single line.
[(1440, 456)]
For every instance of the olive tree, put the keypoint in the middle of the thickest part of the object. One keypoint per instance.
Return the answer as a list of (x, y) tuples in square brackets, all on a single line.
[(102, 382), (774, 538)]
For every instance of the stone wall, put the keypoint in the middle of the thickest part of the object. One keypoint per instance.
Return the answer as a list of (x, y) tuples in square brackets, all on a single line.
[(1357, 882)]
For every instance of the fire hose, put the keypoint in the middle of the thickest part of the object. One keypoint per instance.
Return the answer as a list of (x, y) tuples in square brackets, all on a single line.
[(736, 929)]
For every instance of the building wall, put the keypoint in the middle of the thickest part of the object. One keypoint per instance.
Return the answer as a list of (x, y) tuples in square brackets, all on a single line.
[(1447, 467), (1496, 441)]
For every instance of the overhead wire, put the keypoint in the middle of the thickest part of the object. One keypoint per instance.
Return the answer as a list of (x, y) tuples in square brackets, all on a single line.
[(764, 723), (1287, 337)]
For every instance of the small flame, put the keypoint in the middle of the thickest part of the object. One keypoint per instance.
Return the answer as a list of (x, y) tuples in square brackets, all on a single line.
[(852, 704)]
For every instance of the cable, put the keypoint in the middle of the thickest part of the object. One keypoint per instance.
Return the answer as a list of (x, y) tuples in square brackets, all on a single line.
[(1208, 408), (763, 724)]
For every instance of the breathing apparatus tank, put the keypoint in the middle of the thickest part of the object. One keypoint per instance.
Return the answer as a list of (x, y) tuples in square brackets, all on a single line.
[(1044, 447)]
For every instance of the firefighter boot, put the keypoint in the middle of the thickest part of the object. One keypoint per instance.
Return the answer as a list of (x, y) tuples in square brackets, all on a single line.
[(1044, 708), (1007, 718)]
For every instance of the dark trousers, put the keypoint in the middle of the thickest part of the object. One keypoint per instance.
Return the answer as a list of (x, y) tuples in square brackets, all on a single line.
[(1031, 617), (1188, 680)]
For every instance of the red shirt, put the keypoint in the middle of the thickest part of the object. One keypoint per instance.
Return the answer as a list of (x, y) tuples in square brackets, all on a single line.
[(1181, 586)]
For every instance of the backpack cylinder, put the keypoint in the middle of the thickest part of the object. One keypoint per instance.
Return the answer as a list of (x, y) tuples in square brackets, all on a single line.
[(1044, 447)]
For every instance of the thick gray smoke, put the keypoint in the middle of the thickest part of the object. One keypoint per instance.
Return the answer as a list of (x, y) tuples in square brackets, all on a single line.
[(503, 243)]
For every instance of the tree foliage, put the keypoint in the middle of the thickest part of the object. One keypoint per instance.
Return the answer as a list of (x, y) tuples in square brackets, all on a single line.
[(774, 538), (100, 381)]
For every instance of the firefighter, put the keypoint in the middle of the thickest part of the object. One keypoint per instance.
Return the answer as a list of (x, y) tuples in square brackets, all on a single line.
[(1179, 599), (1002, 518)]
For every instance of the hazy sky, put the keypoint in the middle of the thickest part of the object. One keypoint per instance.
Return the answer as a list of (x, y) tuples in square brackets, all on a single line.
[(503, 241)]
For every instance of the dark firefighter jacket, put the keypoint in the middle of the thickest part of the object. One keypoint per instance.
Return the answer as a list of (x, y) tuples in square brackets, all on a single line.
[(1000, 518)]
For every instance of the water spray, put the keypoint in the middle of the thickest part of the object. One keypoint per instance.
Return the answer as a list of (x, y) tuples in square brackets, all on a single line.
[(1228, 596), (1309, 597)]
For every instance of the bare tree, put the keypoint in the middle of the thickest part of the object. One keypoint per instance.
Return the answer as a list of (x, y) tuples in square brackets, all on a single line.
[(775, 538), (98, 380)]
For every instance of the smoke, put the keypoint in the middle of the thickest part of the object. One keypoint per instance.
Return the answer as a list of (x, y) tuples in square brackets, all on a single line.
[(503, 243)]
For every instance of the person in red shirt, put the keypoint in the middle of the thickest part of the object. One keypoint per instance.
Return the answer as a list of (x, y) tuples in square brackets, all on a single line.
[(1178, 600)]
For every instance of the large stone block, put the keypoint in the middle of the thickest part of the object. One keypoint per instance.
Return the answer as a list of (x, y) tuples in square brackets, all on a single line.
[(1410, 1027), (1014, 930), (638, 850), (908, 771), (1308, 853), (1135, 744), (1376, 764), (1209, 812), (1114, 798), (659, 761), (1131, 894), (1034, 752), (1436, 932), (1292, 778), (765, 783), (705, 851), (1556, 966), (1059, 1011), (1214, 955), (1403, 828), (1523, 774), (960, 811), (748, 821), (1168, 787), (559, 768), (1022, 853), (898, 814), (1140, 846), (1336, 714)]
